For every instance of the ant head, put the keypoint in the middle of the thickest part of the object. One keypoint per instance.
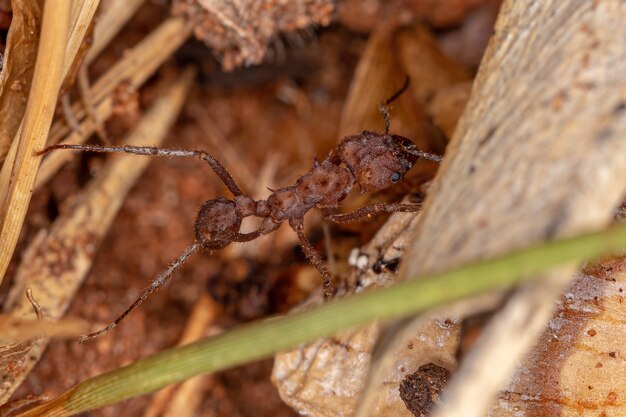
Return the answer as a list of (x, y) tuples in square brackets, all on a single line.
[(217, 223), (377, 160)]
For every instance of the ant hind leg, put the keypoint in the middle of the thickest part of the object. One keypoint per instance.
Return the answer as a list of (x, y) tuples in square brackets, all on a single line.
[(156, 284)]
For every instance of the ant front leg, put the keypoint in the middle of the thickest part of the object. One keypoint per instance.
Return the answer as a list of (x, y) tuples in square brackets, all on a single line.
[(218, 168), (367, 211), (314, 257)]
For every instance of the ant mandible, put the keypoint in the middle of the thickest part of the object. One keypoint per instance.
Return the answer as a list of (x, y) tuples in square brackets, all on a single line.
[(373, 160)]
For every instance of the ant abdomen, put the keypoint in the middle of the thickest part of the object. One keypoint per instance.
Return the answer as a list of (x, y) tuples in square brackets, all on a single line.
[(217, 223)]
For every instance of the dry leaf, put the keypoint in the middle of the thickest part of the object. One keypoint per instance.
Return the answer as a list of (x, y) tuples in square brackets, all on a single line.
[(363, 15), (578, 367), (239, 32)]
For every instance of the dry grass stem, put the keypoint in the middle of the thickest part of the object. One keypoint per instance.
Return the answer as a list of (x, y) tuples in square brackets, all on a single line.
[(137, 65), (15, 330), (112, 18), (20, 169), (83, 12)]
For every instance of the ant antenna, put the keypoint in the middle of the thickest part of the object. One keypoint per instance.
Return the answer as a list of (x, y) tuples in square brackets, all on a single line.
[(424, 155), (156, 284), (384, 107)]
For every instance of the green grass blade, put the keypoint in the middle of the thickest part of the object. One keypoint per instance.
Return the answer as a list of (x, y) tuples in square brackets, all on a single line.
[(262, 339)]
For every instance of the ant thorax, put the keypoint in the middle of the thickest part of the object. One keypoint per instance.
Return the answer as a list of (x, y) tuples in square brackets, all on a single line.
[(325, 185)]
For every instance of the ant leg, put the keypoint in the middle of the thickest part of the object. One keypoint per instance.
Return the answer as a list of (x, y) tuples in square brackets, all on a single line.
[(156, 284), (246, 237), (384, 107), (218, 168), (367, 211), (315, 258)]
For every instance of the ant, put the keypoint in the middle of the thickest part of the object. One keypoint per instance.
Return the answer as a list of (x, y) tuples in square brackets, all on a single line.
[(373, 160)]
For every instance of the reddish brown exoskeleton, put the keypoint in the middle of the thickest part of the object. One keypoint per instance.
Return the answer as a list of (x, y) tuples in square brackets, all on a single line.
[(372, 160)]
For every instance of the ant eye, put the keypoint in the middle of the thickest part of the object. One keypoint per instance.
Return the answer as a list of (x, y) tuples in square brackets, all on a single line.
[(395, 177)]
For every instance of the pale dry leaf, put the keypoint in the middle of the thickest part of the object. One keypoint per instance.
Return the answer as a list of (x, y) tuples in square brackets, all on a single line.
[(363, 15), (377, 77), (578, 367), (447, 106), (240, 32)]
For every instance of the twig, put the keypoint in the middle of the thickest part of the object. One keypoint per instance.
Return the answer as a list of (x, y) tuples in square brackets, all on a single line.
[(34, 303)]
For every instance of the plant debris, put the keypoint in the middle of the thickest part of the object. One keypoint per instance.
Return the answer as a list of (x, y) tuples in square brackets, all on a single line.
[(420, 390), (241, 32)]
